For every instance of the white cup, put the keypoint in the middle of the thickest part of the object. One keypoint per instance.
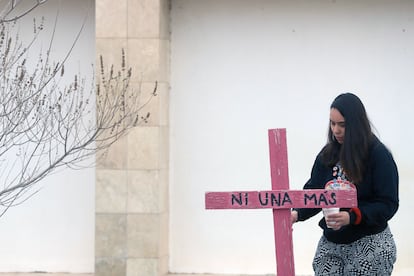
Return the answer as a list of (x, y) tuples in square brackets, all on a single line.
[(328, 211)]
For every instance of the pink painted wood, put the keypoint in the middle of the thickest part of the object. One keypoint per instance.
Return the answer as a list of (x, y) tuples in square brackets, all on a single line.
[(281, 218), (281, 200)]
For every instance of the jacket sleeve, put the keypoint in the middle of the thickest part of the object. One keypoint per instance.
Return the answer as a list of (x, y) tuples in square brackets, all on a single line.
[(383, 202), (315, 182)]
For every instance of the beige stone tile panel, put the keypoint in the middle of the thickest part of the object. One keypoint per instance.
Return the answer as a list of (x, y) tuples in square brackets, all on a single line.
[(143, 235), (109, 267), (111, 18), (143, 191), (143, 148), (164, 103), (164, 190), (111, 51), (149, 59), (111, 191), (164, 61), (114, 157), (164, 236), (144, 59), (110, 236), (144, 18), (149, 101), (142, 267), (164, 147), (157, 105)]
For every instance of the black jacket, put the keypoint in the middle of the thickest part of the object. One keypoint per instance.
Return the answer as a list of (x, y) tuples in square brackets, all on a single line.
[(377, 196)]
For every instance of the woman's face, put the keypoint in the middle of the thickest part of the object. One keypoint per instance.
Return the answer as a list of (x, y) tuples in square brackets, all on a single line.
[(337, 122)]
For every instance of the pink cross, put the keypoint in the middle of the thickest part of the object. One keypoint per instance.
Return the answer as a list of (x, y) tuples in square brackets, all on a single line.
[(281, 200)]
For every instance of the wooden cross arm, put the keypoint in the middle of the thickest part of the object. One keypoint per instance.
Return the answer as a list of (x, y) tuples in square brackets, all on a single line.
[(281, 199)]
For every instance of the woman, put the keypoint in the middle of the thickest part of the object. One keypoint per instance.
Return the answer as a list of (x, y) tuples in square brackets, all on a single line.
[(355, 241)]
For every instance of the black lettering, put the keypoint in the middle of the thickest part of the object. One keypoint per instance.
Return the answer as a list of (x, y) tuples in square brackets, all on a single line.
[(235, 199), (322, 198), (333, 197), (310, 198), (261, 200), (286, 198), (275, 201)]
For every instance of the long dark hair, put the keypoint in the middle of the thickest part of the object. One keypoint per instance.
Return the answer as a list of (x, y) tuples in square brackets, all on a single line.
[(353, 153)]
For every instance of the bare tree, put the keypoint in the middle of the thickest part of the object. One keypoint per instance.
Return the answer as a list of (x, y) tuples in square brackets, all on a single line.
[(45, 125), (8, 8)]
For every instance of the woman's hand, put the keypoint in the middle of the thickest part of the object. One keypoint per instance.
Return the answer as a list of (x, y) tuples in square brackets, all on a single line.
[(294, 216), (336, 221)]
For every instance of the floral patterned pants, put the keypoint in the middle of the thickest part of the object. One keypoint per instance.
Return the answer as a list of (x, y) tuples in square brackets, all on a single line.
[(368, 256)]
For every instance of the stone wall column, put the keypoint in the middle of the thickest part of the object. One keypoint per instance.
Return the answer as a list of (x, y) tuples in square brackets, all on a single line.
[(132, 180)]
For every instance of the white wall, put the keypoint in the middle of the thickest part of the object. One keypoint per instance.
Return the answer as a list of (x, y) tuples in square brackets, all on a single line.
[(54, 230), (241, 67)]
